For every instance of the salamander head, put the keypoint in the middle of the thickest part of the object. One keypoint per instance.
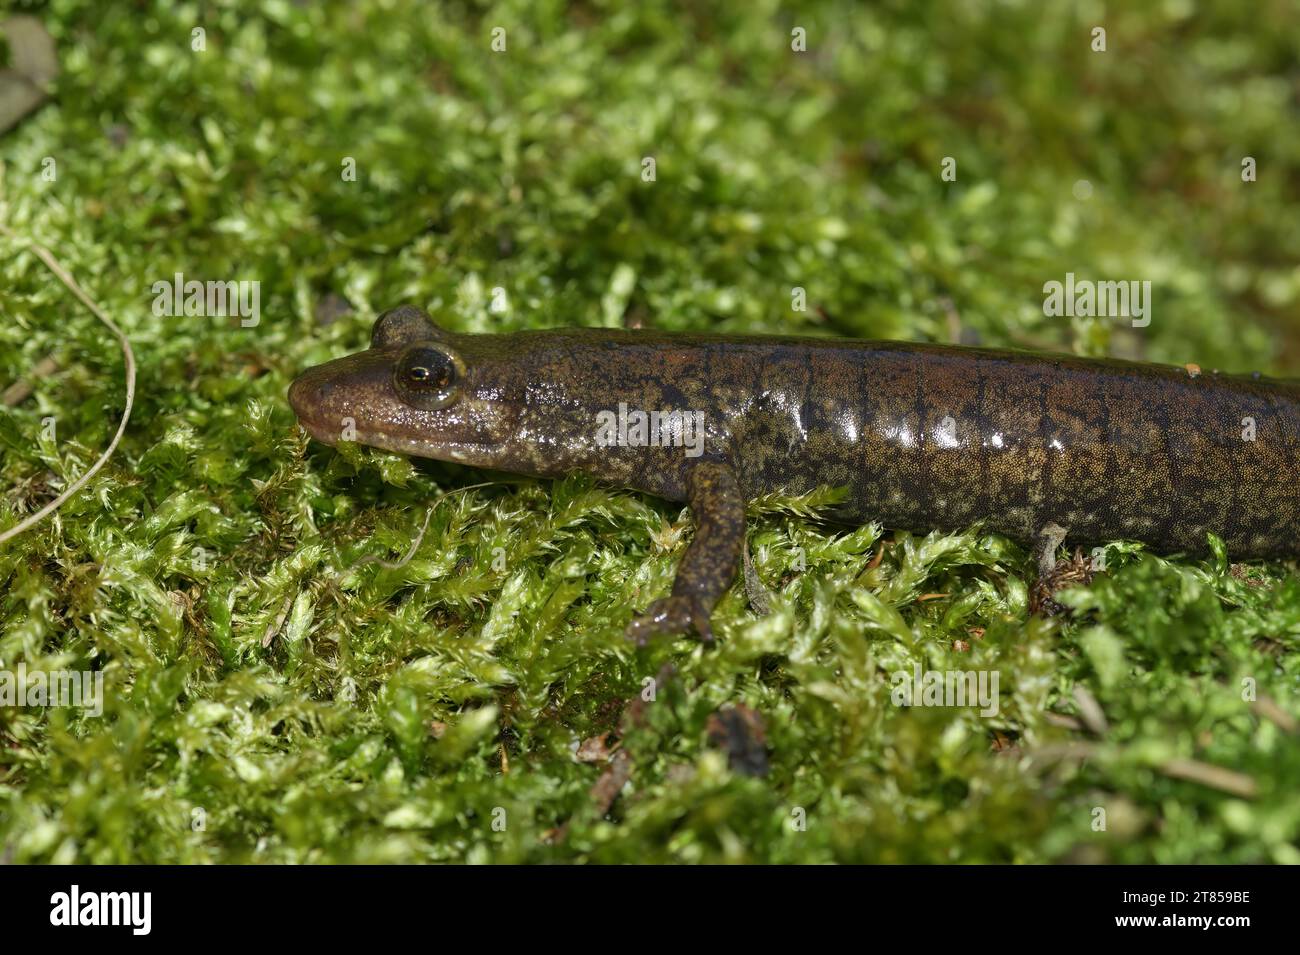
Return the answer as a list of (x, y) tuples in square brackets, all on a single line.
[(418, 390)]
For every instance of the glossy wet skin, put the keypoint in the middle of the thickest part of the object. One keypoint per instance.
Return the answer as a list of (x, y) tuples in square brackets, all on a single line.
[(921, 436)]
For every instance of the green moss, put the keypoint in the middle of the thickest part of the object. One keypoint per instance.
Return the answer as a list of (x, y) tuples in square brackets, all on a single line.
[(311, 708)]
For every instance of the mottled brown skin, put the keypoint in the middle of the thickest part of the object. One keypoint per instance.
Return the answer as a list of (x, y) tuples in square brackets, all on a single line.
[(922, 436)]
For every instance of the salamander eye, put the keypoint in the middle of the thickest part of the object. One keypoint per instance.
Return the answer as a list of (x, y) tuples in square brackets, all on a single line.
[(428, 376)]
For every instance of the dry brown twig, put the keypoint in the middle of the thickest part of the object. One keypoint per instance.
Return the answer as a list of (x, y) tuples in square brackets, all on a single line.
[(62, 274)]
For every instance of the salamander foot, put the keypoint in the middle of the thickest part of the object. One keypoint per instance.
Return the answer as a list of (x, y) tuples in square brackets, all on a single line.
[(676, 614), (1054, 575)]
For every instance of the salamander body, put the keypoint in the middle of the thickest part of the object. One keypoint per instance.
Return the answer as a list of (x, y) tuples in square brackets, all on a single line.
[(920, 436)]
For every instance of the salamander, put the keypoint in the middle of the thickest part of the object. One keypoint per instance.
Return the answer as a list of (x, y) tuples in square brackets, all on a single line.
[(919, 436)]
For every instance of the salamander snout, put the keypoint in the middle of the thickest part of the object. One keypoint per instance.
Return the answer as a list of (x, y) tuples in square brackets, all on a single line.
[(307, 392), (310, 396), (347, 395)]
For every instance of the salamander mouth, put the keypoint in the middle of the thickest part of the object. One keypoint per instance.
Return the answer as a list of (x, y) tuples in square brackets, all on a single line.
[(314, 429), (459, 452), (324, 412)]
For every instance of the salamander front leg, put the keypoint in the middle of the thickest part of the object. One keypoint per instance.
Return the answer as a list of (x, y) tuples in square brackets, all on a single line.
[(709, 566)]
